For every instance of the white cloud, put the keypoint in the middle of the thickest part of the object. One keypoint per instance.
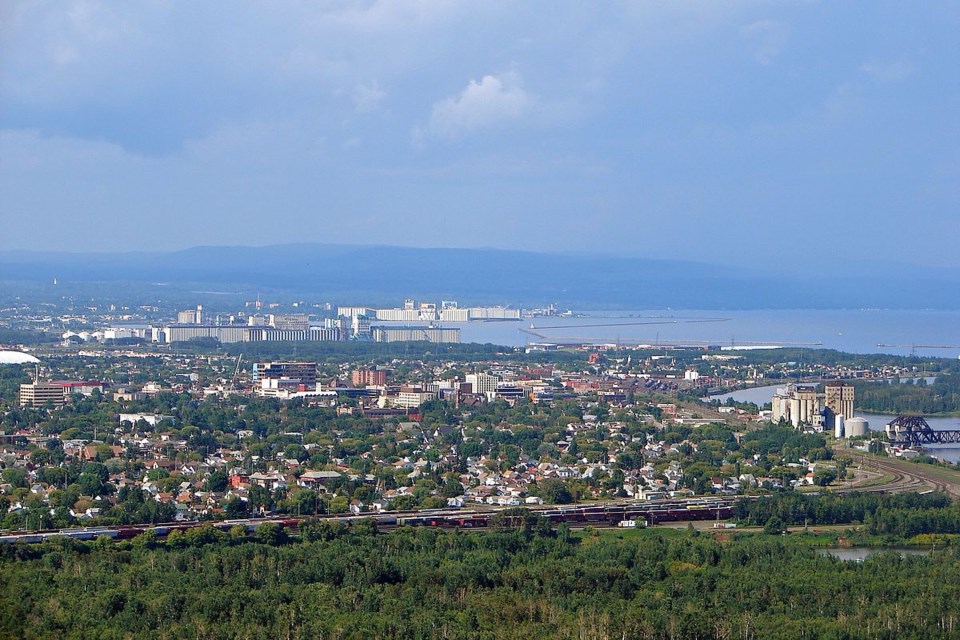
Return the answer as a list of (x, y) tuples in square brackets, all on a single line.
[(367, 97), (768, 39), (492, 101), (888, 72)]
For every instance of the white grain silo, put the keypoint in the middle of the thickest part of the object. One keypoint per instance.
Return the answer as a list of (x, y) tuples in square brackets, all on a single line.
[(838, 426), (856, 427)]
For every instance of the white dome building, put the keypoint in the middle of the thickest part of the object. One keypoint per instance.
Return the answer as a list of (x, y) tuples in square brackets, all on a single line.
[(17, 357)]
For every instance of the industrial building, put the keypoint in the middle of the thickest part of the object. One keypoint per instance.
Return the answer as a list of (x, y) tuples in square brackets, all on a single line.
[(225, 334), (245, 333), (797, 404), (191, 316), (838, 398), (801, 405), (349, 312), (352, 323), (449, 311), (493, 313), (454, 315), (290, 321), (360, 327), (851, 428), (415, 333)]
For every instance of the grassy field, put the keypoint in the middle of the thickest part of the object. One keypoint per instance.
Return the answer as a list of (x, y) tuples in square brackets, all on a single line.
[(942, 473), (872, 482)]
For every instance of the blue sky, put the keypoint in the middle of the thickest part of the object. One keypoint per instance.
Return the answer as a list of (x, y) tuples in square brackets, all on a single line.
[(741, 132)]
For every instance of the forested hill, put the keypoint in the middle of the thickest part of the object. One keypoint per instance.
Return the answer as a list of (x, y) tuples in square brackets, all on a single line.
[(357, 584), (373, 273)]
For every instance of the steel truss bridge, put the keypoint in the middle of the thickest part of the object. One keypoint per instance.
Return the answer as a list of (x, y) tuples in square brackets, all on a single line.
[(913, 431)]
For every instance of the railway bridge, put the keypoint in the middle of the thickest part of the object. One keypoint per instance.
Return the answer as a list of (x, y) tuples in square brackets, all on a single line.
[(913, 431)]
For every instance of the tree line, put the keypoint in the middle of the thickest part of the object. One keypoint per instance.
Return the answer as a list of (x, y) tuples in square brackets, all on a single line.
[(523, 582)]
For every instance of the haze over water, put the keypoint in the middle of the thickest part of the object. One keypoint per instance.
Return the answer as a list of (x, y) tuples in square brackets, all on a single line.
[(853, 331)]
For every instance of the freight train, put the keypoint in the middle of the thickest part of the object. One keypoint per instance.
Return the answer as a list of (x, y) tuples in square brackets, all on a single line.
[(598, 514)]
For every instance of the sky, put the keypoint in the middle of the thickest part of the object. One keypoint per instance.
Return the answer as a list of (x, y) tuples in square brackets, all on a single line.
[(739, 132)]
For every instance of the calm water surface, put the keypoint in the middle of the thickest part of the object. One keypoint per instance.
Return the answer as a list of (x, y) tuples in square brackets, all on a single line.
[(854, 331), (859, 554)]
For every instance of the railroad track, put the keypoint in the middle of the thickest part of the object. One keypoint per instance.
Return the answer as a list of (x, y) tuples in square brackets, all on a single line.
[(585, 514), (904, 480)]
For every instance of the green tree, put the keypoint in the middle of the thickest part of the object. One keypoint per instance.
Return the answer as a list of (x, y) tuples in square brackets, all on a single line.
[(271, 533), (555, 491), (217, 481)]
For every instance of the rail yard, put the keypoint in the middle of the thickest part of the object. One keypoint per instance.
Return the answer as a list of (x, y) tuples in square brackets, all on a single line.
[(599, 515)]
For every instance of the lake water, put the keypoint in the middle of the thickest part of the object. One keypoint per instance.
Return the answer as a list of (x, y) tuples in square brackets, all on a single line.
[(859, 554), (849, 330), (853, 331)]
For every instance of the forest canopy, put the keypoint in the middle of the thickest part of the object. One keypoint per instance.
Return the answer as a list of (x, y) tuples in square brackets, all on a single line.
[(352, 582)]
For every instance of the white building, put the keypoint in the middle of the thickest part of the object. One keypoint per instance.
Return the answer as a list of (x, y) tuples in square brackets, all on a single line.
[(483, 383), (415, 333), (360, 327), (350, 312), (412, 399)]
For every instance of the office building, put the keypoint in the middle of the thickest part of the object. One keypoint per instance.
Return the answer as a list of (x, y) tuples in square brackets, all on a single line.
[(483, 383), (41, 394), (283, 378), (412, 398), (299, 372)]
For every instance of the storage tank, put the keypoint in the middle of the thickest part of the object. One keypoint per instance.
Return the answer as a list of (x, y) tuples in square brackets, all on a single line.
[(795, 411), (856, 427), (838, 426)]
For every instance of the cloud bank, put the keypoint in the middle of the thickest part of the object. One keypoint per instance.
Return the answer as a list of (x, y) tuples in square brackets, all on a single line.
[(736, 131)]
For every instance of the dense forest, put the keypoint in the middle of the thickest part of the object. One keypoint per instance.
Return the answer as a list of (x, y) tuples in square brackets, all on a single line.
[(418, 583), (911, 397), (900, 515)]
